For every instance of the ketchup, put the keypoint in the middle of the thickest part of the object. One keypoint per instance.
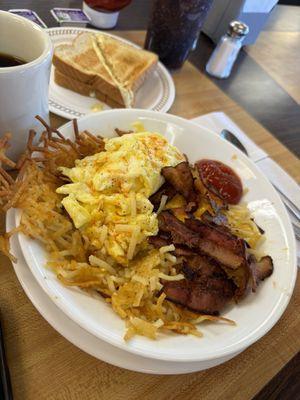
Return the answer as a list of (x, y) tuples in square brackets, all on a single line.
[(108, 5), (220, 180)]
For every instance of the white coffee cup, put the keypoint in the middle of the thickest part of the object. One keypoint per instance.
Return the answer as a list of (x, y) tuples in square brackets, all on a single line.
[(23, 88)]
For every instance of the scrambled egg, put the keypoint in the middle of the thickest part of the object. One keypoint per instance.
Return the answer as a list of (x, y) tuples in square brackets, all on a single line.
[(108, 199)]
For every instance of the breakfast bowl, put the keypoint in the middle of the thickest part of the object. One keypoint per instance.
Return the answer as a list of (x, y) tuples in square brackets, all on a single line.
[(254, 316)]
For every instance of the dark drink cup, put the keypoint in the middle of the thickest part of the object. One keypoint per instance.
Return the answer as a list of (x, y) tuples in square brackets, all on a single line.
[(174, 27)]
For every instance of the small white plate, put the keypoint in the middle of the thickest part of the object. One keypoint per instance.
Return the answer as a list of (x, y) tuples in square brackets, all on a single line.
[(157, 93), (254, 316), (80, 337)]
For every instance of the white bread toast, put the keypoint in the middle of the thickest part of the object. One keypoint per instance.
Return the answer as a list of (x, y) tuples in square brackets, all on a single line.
[(80, 62), (108, 66), (83, 88), (129, 64)]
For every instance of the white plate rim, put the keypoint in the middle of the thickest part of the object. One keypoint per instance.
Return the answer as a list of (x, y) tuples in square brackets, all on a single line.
[(80, 338), (243, 343), (163, 105)]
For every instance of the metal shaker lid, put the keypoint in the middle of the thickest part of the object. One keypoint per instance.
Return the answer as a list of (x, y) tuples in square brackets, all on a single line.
[(237, 29)]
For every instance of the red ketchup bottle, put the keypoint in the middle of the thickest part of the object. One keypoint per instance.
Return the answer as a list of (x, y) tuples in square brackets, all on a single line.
[(104, 13)]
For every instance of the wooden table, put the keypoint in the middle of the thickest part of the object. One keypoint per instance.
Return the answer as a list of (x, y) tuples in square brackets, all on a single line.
[(45, 366)]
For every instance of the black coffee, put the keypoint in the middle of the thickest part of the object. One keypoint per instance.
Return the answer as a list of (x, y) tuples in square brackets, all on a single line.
[(6, 60)]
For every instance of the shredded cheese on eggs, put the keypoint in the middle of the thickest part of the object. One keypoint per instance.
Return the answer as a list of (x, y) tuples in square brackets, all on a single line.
[(108, 197)]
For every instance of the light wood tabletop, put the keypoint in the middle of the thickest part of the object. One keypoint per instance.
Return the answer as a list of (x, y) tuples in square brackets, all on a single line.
[(278, 54), (45, 366)]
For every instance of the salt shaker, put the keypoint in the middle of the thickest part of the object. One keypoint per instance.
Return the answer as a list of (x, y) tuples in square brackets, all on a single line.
[(223, 57)]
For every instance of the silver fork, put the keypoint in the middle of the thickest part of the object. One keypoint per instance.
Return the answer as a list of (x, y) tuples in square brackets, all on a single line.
[(292, 209), (296, 225)]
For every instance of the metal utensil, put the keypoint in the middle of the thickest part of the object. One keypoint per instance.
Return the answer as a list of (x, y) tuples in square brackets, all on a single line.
[(5, 384), (292, 209), (230, 137)]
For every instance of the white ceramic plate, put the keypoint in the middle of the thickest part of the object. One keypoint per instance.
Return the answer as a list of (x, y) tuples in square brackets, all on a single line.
[(254, 316), (80, 337), (157, 93)]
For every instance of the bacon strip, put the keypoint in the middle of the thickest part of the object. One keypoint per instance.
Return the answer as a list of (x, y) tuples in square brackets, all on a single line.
[(204, 239), (217, 235), (260, 270), (180, 234), (206, 288), (181, 178)]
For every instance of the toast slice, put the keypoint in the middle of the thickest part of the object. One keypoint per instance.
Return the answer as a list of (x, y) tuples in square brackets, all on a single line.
[(127, 63), (83, 88), (107, 65), (80, 62)]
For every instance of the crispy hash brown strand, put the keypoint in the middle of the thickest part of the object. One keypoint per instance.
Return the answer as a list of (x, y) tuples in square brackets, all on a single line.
[(135, 292)]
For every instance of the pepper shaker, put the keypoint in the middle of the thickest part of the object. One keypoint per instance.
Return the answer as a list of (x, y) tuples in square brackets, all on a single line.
[(223, 57)]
